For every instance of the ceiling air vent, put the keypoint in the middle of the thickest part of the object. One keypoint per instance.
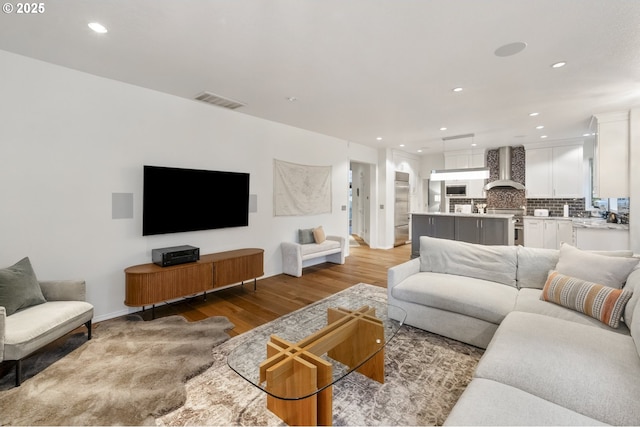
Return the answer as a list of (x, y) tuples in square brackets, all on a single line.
[(212, 98)]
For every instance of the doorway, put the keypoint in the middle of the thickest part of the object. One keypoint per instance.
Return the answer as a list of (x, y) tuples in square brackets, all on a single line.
[(360, 184)]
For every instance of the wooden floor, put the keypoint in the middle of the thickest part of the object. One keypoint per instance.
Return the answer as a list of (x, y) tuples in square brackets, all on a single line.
[(282, 294)]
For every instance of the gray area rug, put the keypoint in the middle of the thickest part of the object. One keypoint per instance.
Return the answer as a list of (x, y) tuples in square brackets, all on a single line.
[(425, 375), (130, 372)]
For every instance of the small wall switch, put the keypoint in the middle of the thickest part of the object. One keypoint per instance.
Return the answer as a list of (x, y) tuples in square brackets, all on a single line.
[(344, 207)]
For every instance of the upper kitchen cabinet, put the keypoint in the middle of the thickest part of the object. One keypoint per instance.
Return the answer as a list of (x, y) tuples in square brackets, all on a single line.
[(555, 172), (464, 159), (611, 160)]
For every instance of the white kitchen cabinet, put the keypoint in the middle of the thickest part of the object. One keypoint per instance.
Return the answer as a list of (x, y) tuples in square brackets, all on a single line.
[(467, 159), (547, 233), (611, 160), (554, 172), (602, 239), (564, 232)]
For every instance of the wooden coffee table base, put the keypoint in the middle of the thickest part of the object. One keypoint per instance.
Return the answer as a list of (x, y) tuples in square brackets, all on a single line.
[(296, 369)]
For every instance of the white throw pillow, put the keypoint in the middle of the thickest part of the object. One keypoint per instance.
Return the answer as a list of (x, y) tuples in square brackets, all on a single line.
[(607, 270)]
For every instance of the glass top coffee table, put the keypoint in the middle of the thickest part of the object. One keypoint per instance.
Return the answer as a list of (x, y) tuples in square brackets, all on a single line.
[(301, 356)]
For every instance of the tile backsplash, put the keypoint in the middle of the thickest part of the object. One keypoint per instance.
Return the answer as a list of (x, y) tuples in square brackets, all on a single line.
[(556, 206), (508, 198)]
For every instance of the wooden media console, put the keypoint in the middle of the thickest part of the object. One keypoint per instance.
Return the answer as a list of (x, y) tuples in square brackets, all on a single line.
[(148, 284)]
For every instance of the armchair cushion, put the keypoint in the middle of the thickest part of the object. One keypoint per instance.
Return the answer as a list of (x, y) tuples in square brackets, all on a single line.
[(19, 287)]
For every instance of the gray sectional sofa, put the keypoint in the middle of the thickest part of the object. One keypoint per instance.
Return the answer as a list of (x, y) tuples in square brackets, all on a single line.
[(556, 361)]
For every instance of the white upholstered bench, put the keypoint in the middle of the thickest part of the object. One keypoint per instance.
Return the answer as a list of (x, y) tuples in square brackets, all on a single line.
[(294, 254)]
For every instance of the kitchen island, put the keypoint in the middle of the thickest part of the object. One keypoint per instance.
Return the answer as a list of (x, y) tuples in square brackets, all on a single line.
[(597, 234), (487, 229)]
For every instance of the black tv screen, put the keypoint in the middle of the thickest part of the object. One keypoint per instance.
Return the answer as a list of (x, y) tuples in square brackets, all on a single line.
[(177, 200)]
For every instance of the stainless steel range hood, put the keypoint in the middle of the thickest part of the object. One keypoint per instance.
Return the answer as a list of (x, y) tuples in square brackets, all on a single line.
[(504, 172)]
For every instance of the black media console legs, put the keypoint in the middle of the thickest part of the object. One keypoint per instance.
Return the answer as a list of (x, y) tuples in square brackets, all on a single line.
[(255, 280)]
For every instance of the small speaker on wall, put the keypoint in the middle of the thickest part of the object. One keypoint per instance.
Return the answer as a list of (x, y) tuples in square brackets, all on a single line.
[(253, 203), (121, 205)]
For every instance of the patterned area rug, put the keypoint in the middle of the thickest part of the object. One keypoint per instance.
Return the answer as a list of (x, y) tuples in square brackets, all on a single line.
[(425, 375)]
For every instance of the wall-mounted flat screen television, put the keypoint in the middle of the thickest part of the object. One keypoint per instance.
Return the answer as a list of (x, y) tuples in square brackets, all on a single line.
[(177, 200)]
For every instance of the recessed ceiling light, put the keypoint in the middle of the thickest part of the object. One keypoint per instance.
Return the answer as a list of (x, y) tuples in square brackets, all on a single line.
[(420, 150), (474, 144), (379, 138), (543, 136), (510, 49), (98, 28), (401, 145), (443, 128), (533, 114), (558, 64), (540, 127), (457, 89)]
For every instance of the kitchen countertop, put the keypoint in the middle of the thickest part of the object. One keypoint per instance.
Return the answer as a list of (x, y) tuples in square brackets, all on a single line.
[(579, 222), (548, 217), (473, 215)]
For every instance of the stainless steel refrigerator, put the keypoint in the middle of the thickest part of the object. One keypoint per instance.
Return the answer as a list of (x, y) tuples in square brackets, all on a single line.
[(401, 209)]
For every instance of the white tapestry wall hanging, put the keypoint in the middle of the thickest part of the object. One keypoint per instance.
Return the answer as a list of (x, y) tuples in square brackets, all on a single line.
[(301, 189)]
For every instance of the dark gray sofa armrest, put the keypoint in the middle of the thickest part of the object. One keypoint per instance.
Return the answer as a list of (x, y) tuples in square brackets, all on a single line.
[(64, 290)]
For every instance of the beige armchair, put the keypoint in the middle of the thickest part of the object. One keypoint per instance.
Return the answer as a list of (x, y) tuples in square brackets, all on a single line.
[(29, 329)]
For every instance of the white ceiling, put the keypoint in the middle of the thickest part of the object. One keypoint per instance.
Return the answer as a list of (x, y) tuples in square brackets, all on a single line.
[(362, 69)]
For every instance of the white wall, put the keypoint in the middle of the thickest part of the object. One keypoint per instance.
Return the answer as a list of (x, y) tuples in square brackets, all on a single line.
[(69, 140), (634, 179)]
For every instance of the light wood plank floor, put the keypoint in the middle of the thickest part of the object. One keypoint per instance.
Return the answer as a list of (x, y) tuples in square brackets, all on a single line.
[(282, 294)]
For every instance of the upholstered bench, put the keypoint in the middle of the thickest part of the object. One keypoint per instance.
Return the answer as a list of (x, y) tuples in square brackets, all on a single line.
[(295, 254)]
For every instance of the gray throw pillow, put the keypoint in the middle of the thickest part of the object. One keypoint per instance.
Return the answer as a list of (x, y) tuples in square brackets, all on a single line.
[(606, 270), (305, 236), (19, 287)]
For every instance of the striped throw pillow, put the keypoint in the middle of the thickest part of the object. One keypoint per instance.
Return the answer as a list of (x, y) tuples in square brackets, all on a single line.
[(598, 301)]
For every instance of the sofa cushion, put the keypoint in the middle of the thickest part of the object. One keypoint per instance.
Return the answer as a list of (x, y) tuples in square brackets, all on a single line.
[(593, 299), (305, 236), (481, 299), (588, 370), (490, 403), (534, 265), (633, 285), (634, 326), (493, 263), (594, 267), (19, 287), (529, 301)]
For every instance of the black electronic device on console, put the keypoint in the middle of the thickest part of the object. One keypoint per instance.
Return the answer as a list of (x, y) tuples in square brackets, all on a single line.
[(175, 255)]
